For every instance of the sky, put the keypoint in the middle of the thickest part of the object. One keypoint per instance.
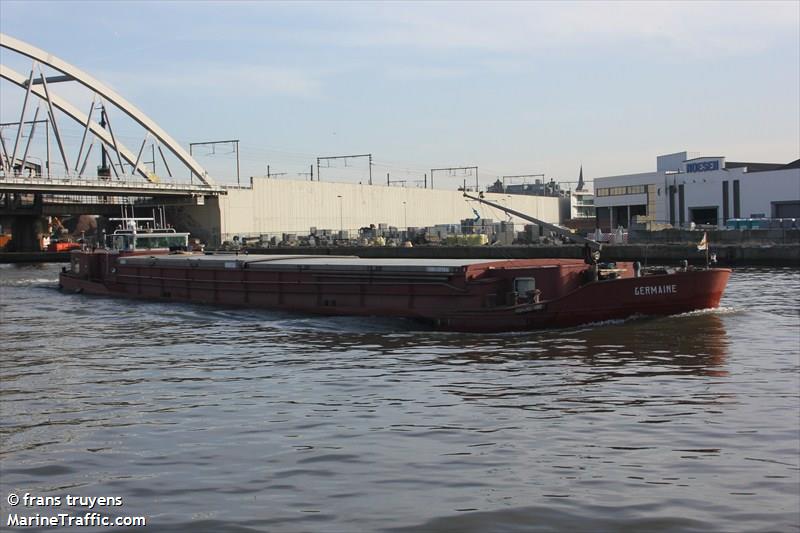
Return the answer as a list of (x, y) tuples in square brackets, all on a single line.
[(513, 88)]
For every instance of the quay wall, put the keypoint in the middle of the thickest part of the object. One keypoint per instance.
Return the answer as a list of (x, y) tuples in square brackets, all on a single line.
[(274, 206), (653, 254), (721, 237)]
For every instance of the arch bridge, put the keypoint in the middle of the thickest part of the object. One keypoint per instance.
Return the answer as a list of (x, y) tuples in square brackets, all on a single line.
[(51, 120)]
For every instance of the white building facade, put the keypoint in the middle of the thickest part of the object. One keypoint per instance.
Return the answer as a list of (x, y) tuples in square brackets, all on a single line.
[(582, 204), (702, 190)]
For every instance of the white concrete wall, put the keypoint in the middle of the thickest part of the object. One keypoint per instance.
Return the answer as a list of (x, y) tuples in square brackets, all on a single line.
[(757, 190), (275, 206)]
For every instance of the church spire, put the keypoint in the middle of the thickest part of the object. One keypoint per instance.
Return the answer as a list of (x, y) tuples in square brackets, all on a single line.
[(580, 181)]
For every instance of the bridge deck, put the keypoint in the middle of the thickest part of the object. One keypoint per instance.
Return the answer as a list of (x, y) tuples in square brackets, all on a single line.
[(114, 187)]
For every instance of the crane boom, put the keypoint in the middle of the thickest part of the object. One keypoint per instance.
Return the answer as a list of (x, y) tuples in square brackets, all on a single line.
[(552, 227)]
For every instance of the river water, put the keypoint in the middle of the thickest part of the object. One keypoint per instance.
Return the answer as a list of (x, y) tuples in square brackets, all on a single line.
[(226, 420)]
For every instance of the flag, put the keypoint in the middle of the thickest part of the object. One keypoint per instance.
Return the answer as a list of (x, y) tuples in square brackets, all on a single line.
[(703, 243)]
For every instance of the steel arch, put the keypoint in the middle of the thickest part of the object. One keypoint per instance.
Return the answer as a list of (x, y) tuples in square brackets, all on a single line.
[(72, 112), (11, 43)]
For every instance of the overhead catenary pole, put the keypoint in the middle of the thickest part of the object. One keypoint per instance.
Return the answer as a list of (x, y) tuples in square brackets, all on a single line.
[(390, 181), (345, 157), (103, 154), (114, 141), (5, 160), (453, 169), (234, 142), (238, 182), (271, 174), (523, 176)]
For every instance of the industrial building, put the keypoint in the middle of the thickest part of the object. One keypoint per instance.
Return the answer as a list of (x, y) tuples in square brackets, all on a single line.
[(699, 190), (577, 205)]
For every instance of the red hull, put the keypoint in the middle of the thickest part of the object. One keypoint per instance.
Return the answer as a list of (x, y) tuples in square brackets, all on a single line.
[(461, 295), (606, 300)]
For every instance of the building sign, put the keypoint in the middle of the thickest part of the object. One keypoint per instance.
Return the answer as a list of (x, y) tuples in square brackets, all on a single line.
[(703, 166)]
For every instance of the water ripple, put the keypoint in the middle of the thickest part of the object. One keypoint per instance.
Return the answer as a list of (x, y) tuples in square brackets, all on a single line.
[(214, 419)]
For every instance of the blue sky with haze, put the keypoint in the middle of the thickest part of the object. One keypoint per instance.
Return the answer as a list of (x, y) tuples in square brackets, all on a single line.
[(511, 87)]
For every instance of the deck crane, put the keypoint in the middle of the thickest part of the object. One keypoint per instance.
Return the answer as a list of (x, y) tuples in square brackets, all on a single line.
[(592, 248)]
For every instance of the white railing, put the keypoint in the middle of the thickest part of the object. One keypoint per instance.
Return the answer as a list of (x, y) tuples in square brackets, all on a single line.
[(104, 184)]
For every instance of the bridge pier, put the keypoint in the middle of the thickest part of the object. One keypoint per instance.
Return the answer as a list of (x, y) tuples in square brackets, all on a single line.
[(26, 232), (202, 221), (21, 215)]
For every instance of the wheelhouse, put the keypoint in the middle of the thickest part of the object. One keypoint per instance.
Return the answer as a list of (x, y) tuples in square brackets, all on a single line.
[(161, 240)]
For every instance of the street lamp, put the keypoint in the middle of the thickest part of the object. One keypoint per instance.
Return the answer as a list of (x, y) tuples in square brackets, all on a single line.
[(341, 217), (405, 217)]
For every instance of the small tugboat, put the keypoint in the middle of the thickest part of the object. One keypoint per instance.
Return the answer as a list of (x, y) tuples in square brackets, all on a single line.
[(473, 295)]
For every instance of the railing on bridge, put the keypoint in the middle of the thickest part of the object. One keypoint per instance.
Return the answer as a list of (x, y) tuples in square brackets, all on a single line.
[(42, 184)]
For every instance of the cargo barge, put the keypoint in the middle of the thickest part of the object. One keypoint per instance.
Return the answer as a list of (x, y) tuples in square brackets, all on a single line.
[(449, 294), (480, 295)]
